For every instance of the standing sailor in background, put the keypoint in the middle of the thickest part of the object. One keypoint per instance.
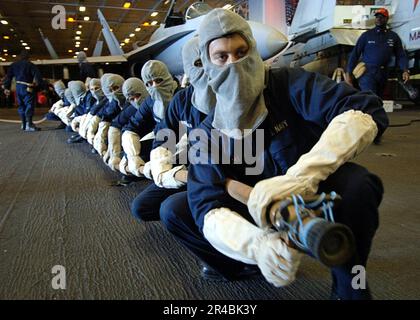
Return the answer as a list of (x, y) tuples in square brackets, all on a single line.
[(86, 69), (27, 76), (376, 48)]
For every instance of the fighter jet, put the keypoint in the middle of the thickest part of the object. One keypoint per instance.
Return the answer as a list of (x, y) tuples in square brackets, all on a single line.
[(167, 41)]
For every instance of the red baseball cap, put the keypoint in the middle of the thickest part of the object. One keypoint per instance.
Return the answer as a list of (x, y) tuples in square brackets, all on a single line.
[(383, 12)]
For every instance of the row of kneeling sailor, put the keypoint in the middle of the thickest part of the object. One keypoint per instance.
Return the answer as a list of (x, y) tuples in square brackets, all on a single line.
[(312, 127)]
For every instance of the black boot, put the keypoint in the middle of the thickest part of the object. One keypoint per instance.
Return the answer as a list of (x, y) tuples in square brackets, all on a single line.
[(23, 126), (125, 180), (247, 272), (30, 127), (75, 139)]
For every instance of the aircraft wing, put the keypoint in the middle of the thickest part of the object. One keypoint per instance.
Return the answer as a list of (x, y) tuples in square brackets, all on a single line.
[(102, 59), (312, 17), (153, 48)]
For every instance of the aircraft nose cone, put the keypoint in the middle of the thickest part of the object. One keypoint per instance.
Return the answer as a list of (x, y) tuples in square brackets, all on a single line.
[(270, 41)]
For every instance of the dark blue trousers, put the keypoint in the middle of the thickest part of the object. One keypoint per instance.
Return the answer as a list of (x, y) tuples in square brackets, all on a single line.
[(362, 194), (26, 101), (146, 205), (374, 80)]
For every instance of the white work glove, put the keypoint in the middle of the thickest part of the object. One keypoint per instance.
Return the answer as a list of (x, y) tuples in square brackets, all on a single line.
[(240, 240), (99, 142), (65, 113), (75, 123), (135, 169), (84, 125), (113, 155), (56, 106), (346, 136), (167, 179), (160, 162), (92, 128), (70, 111), (123, 167), (131, 146), (147, 170)]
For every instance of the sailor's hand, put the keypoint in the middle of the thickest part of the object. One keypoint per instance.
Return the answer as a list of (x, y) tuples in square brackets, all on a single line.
[(348, 79), (278, 262), (7, 92), (406, 76)]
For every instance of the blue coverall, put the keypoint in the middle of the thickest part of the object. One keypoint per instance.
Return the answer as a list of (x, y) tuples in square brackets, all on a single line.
[(24, 71), (97, 106), (180, 112), (300, 105), (124, 116), (376, 48), (142, 123), (85, 104), (109, 111), (87, 70), (51, 116)]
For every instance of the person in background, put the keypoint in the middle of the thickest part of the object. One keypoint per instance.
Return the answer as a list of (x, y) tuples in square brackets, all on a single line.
[(87, 70), (375, 48), (27, 77)]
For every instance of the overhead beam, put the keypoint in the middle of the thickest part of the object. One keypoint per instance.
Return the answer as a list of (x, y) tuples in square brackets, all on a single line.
[(53, 3), (111, 41), (49, 46)]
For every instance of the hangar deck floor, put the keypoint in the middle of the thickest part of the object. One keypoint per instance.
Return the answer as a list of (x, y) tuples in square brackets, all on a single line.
[(57, 208)]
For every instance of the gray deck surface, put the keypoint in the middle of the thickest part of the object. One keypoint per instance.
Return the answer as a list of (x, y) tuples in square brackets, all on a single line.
[(57, 208)]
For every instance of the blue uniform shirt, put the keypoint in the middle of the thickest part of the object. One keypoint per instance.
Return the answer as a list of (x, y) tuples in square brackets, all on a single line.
[(97, 106), (66, 102), (85, 104), (301, 105), (109, 111), (144, 120), (376, 48), (87, 70), (180, 112), (124, 116), (24, 71), (90, 101)]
